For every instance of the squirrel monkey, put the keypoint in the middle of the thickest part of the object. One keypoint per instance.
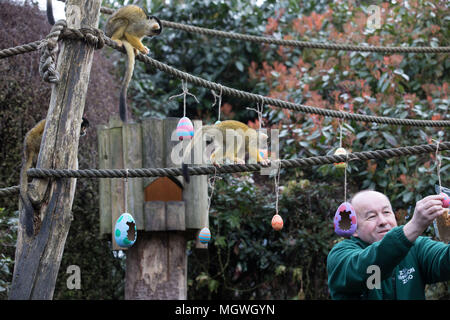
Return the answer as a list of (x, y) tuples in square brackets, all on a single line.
[(32, 145), (247, 141), (127, 26)]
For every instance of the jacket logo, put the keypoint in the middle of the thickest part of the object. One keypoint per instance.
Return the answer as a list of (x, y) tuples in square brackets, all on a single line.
[(405, 275)]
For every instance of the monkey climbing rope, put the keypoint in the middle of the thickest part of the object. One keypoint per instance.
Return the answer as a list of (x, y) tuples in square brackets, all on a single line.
[(90, 35), (96, 37), (291, 43)]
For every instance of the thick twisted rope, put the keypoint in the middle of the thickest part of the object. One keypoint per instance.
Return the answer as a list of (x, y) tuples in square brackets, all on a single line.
[(29, 47), (292, 43), (93, 36), (301, 44), (48, 49), (230, 168), (277, 102)]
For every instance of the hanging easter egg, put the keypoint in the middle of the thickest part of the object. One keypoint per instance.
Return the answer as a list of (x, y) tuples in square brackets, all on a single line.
[(185, 129), (205, 235), (340, 151), (345, 220), (125, 232), (217, 122), (277, 222), (446, 201), (263, 153)]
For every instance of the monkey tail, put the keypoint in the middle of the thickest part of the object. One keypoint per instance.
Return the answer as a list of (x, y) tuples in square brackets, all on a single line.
[(126, 80), (28, 210), (50, 17)]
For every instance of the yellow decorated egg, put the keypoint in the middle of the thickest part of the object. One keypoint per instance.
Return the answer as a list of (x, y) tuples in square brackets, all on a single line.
[(340, 151)]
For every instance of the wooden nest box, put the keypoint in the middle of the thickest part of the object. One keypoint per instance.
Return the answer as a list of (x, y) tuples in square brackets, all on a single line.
[(157, 204)]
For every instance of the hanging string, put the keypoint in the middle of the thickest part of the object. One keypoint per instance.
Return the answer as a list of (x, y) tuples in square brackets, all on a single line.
[(125, 191), (277, 182), (259, 110), (184, 94), (345, 177), (211, 183), (438, 166), (340, 135), (219, 96)]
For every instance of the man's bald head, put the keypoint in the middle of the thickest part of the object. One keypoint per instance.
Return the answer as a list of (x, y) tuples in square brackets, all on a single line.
[(363, 194), (375, 216)]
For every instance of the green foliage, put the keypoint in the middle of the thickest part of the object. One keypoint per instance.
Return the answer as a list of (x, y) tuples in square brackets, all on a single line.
[(247, 259)]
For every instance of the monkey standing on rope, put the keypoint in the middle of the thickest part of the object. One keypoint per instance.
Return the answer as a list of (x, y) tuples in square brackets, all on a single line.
[(248, 138), (32, 145), (127, 26)]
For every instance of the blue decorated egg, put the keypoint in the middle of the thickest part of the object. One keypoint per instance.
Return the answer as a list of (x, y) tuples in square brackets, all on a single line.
[(217, 122), (125, 231), (263, 153), (185, 129), (205, 235), (345, 220)]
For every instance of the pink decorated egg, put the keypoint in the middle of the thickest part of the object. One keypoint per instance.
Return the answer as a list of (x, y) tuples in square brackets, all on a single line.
[(446, 201), (277, 222), (185, 129)]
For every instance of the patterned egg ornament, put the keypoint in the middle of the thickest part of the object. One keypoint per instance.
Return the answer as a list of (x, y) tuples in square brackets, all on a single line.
[(340, 151), (263, 153), (446, 201), (125, 232), (277, 222), (345, 220), (185, 129), (205, 235)]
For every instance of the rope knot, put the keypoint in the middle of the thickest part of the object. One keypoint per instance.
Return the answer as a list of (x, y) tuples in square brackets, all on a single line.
[(48, 50), (93, 37), (49, 47)]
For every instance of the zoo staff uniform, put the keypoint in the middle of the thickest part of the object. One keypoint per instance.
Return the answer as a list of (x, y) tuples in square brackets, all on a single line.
[(404, 267)]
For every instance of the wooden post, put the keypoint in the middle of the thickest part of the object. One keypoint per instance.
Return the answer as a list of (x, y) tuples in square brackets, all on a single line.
[(38, 258), (166, 215)]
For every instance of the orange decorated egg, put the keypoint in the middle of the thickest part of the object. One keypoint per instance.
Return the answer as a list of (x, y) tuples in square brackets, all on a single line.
[(277, 222)]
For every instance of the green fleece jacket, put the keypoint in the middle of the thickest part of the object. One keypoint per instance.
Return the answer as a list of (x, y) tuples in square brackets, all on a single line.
[(404, 267)]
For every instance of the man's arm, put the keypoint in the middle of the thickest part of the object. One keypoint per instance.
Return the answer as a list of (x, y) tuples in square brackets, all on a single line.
[(427, 209), (347, 263)]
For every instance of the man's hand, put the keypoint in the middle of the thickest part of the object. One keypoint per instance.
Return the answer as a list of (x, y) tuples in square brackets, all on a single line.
[(427, 209)]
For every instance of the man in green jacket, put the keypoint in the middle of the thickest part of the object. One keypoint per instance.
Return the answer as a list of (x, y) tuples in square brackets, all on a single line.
[(385, 261)]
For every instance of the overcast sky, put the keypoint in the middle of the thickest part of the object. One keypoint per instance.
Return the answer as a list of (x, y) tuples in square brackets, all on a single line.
[(58, 8)]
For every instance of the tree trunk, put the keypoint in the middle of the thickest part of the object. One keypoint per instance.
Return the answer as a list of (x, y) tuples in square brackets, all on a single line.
[(38, 257)]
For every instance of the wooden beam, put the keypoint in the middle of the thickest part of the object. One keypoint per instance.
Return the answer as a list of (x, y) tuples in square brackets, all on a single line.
[(38, 257)]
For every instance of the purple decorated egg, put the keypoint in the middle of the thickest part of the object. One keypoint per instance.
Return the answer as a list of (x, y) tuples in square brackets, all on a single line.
[(345, 220), (185, 129)]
